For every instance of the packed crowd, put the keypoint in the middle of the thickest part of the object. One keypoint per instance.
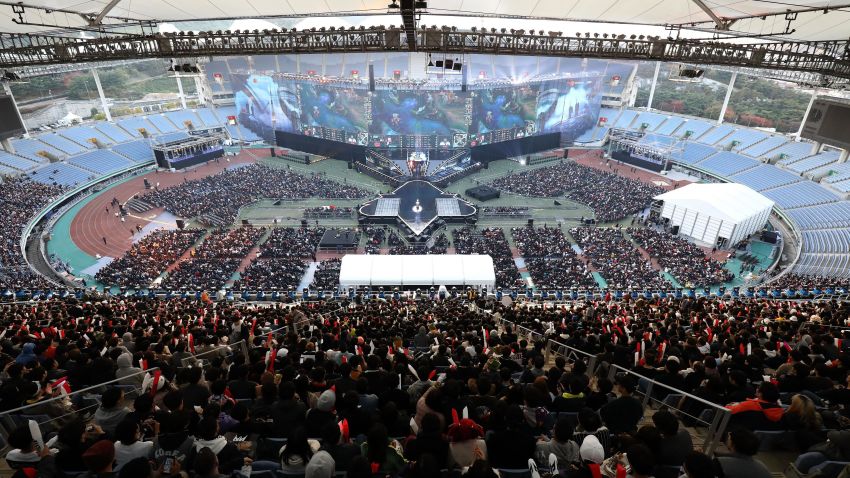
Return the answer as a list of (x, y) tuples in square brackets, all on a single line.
[(491, 241), (504, 211), (809, 282), (616, 259), (281, 273), (550, 258), (292, 242), (328, 212), (148, 258), (681, 258), (611, 196), (440, 246), (20, 200), (409, 388), (375, 237), (225, 193), (326, 276), (215, 261)]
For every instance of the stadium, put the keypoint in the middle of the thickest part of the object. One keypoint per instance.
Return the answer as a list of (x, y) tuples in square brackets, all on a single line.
[(425, 239)]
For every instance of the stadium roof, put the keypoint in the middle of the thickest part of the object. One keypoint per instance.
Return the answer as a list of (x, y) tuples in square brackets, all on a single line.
[(727, 201), (760, 18)]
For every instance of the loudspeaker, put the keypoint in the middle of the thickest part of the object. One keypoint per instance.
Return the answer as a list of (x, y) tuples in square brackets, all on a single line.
[(245, 222), (350, 165), (273, 152), (181, 224), (485, 165), (306, 159), (304, 223), (371, 77), (531, 223), (675, 230), (565, 153), (528, 159)]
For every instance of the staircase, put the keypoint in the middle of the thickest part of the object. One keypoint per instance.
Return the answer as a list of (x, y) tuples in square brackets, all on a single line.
[(138, 206)]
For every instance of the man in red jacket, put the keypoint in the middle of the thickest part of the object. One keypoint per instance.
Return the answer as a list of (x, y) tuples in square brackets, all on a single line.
[(760, 413)]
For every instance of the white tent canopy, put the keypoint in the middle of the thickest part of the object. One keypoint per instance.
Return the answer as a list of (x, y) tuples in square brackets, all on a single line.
[(417, 271), (706, 212)]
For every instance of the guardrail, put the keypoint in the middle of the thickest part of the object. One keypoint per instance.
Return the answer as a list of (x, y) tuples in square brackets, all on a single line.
[(28, 228)]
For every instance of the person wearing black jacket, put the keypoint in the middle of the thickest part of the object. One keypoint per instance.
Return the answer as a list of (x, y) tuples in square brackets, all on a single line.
[(622, 414)]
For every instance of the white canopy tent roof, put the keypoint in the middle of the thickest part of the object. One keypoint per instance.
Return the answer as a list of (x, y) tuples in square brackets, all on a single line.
[(550, 15), (417, 270), (727, 201)]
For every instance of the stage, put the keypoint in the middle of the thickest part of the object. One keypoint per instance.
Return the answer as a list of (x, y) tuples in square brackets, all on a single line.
[(338, 240), (417, 204)]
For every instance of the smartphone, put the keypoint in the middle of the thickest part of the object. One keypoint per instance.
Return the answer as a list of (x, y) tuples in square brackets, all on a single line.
[(166, 467)]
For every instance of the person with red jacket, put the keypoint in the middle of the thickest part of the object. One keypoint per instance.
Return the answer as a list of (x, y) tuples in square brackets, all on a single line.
[(760, 413)]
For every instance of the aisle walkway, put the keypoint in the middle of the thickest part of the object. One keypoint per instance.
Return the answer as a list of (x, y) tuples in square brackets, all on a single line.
[(308, 275)]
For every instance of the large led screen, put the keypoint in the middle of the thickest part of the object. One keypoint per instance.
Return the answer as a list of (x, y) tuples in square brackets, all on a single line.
[(568, 106), (334, 107), (265, 104), (502, 114), (421, 113)]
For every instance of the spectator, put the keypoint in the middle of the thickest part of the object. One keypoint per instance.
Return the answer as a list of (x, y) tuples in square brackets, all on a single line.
[(760, 413), (383, 454), (675, 444), (561, 445), (741, 462), (128, 445), (623, 413), (111, 411), (466, 443)]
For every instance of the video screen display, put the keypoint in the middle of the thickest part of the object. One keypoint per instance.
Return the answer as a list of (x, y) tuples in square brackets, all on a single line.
[(568, 106), (265, 104), (333, 107), (442, 114), (504, 109)]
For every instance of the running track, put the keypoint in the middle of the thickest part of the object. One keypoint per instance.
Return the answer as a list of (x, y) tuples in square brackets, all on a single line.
[(92, 223)]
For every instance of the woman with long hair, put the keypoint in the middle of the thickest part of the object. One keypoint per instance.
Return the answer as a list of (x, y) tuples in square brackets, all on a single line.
[(805, 421), (297, 452), (384, 455)]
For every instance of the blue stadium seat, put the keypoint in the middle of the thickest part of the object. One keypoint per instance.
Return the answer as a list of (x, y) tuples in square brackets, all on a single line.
[(85, 136), (745, 137), (625, 119), (715, 135), (133, 126), (206, 115), (823, 216), (114, 132), (792, 152), (163, 124), (184, 118), (61, 174), (763, 148), (17, 162), (814, 162), (764, 177), (693, 153), (62, 143), (139, 151), (697, 128), (652, 120), (101, 161), (670, 126), (32, 148), (803, 193)]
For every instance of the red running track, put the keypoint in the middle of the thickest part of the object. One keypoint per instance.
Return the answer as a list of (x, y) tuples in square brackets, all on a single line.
[(97, 219)]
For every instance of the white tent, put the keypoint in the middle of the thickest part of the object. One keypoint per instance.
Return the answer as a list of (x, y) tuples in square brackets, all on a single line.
[(417, 271), (709, 212)]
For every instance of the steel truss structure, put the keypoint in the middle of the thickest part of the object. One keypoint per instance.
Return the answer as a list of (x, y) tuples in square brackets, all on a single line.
[(631, 141), (830, 60)]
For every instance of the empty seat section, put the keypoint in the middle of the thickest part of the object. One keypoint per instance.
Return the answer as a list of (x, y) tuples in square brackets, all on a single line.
[(764, 177), (823, 216), (727, 163), (208, 117), (670, 126), (134, 126), (36, 150), (101, 161), (117, 134), (842, 186), (836, 172), (716, 135), (803, 193), (222, 112), (651, 120), (162, 124), (86, 136), (62, 143), (625, 119), (695, 127), (791, 152), (652, 138), (7, 171), (813, 162), (62, 174), (184, 118), (139, 151), (763, 148), (17, 162), (169, 137), (693, 153), (745, 138)]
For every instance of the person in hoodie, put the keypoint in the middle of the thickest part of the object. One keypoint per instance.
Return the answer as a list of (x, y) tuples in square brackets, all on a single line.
[(111, 412), (173, 440), (229, 456), (561, 445), (27, 355), (297, 452), (126, 372), (321, 466)]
